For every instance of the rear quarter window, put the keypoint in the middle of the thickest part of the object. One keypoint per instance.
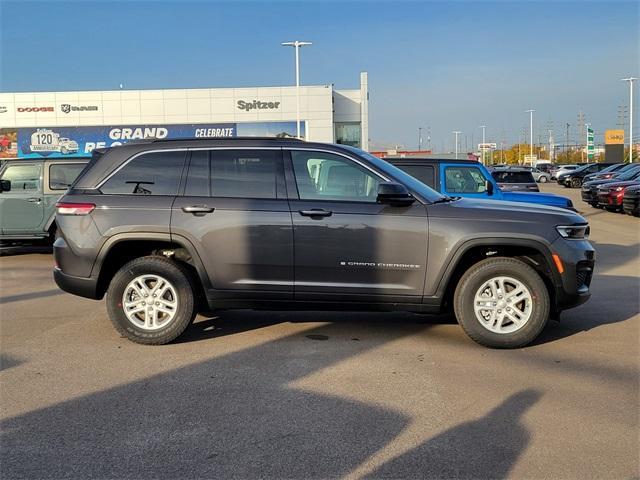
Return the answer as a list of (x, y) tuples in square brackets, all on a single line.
[(154, 173)]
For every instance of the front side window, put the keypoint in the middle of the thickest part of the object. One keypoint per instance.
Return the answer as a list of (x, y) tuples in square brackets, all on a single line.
[(464, 180), (155, 173), (324, 176), (23, 178), (61, 176)]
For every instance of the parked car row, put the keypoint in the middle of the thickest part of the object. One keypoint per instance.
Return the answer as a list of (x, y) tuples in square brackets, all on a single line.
[(615, 190)]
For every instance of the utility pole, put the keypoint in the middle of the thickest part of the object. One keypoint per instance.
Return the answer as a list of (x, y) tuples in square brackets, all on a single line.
[(530, 112), (581, 134), (483, 127), (456, 133), (429, 138), (630, 80), (419, 138), (567, 144), (296, 45)]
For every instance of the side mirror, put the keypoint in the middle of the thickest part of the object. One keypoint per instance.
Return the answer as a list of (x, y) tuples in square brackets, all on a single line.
[(5, 185), (488, 187), (394, 194)]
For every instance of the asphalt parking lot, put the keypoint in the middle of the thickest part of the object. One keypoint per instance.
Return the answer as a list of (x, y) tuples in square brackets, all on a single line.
[(321, 395)]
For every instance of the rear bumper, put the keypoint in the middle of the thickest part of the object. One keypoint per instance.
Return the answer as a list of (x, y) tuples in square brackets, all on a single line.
[(81, 286)]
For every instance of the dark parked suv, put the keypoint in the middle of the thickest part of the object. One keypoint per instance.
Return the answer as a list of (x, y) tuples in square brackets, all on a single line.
[(167, 229)]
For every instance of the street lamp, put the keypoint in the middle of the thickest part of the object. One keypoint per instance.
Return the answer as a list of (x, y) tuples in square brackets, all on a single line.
[(456, 133), (483, 127), (530, 112), (630, 80), (296, 45)]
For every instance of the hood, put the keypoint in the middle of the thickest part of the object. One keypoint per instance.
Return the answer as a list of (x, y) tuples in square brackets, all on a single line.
[(498, 210), (551, 199), (600, 181), (614, 184)]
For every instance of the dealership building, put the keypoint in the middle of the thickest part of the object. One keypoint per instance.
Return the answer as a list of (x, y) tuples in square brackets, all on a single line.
[(71, 124)]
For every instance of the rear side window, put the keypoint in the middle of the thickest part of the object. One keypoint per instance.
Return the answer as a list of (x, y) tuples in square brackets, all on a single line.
[(233, 174), (424, 173), (24, 178), (465, 180), (155, 173), (63, 175), (513, 177)]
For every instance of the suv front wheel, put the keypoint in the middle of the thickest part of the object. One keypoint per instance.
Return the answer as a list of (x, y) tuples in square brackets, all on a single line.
[(502, 303), (151, 300)]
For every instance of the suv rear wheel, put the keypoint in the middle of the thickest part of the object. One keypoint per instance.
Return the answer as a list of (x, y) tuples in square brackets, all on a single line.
[(151, 300), (502, 303)]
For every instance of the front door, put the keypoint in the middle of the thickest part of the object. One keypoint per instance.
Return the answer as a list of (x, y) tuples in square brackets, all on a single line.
[(22, 208), (348, 247), (234, 210)]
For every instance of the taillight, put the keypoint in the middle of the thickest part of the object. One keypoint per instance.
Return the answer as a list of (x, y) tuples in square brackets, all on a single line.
[(66, 208)]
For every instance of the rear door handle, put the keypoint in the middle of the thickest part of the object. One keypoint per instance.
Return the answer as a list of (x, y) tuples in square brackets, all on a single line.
[(198, 209), (34, 200), (315, 212)]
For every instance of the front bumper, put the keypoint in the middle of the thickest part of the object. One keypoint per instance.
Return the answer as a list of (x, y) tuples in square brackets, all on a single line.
[(578, 260)]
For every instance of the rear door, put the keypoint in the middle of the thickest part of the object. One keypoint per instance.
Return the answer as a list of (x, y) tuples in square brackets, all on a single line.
[(234, 210), (348, 247), (22, 208)]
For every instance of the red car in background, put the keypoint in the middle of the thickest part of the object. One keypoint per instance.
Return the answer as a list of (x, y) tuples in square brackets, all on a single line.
[(611, 195)]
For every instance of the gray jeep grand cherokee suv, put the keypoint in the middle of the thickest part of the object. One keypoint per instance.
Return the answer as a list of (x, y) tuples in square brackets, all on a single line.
[(170, 228)]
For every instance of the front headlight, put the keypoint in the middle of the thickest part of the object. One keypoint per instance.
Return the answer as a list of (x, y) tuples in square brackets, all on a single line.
[(574, 232)]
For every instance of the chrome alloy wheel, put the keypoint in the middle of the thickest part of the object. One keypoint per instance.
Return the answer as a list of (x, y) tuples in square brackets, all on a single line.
[(503, 304), (150, 302)]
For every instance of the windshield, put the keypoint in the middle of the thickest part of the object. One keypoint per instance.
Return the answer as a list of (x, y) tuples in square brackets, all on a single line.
[(411, 183), (510, 176), (629, 174)]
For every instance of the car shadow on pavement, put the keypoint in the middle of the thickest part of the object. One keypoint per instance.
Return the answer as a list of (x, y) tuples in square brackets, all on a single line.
[(484, 448), (30, 296), (232, 416)]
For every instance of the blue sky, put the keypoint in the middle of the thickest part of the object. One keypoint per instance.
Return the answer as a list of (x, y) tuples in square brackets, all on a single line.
[(444, 65)]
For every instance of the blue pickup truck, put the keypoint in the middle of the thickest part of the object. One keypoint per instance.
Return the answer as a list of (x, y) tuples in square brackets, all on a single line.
[(467, 178)]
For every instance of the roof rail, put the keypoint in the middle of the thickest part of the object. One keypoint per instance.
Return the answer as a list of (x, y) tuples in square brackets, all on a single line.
[(203, 139)]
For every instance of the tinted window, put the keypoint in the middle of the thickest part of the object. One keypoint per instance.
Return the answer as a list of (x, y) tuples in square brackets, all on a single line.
[(244, 173), (424, 173), (506, 176), (23, 177), (156, 173), (465, 180), (324, 176), (62, 176), (198, 175)]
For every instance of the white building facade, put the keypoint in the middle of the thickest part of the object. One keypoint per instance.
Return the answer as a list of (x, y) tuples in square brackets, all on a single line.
[(71, 124)]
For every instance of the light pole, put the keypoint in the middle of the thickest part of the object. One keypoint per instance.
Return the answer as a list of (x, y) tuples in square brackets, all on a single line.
[(530, 112), (296, 45), (456, 133), (483, 127), (419, 138), (630, 80)]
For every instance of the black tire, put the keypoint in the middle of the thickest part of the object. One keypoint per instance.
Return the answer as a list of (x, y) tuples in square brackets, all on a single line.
[(542, 179), (476, 276), (576, 183), (173, 272)]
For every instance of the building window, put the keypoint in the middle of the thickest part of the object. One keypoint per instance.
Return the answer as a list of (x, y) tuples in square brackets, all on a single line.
[(348, 134)]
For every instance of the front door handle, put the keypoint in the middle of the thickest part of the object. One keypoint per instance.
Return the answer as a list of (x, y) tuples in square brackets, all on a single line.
[(34, 200), (315, 212), (198, 209)]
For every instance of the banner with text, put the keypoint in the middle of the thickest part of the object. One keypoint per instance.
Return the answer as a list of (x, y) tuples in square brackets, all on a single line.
[(70, 142)]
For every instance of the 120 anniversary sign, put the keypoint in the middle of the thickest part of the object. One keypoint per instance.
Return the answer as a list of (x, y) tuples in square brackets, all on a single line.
[(68, 142)]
